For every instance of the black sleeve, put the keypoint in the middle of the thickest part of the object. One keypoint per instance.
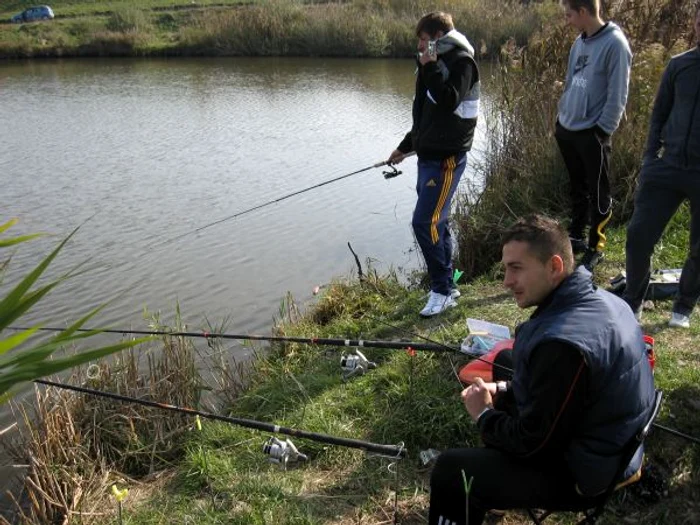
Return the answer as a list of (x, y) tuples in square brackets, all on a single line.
[(557, 388), (659, 115), (406, 145), (449, 93)]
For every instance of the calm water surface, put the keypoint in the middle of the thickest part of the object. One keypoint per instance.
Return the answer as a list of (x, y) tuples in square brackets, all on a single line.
[(138, 152)]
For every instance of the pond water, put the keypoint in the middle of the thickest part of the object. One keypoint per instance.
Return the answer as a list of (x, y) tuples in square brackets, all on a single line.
[(140, 154)]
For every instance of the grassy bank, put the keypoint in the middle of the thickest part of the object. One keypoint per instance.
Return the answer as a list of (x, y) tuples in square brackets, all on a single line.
[(220, 474), (357, 28)]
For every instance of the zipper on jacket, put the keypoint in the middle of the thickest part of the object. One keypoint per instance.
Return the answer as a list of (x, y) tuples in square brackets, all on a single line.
[(690, 127)]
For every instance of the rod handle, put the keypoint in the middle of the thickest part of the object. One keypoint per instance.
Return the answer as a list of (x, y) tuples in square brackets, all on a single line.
[(386, 162)]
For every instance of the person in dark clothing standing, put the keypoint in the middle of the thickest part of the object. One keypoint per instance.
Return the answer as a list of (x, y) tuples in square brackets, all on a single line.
[(581, 388), (445, 109), (590, 109), (670, 175)]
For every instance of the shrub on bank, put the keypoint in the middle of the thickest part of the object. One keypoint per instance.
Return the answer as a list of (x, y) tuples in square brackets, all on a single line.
[(522, 170), (128, 18), (362, 28)]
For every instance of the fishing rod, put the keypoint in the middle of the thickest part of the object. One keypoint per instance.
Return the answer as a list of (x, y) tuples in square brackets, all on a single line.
[(430, 345), (387, 175), (396, 451), (320, 341), (672, 431)]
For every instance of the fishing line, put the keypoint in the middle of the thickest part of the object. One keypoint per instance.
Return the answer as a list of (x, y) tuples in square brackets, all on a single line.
[(136, 260), (394, 173)]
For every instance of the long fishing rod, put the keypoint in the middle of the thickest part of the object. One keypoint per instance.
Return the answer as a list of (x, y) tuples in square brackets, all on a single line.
[(672, 431), (430, 345), (289, 195), (377, 448), (320, 341)]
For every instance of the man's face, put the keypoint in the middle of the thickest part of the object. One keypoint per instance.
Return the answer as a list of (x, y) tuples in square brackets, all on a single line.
[(529, 279), (423, 39), (574, 18)]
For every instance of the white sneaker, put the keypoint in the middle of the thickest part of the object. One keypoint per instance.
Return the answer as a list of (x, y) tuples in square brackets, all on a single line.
[(679, 320), (437, 303), (455, 294)]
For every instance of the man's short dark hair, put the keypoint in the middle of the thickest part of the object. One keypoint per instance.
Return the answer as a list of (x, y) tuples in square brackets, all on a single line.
[(592, 6), (545, 236), (434, 22)]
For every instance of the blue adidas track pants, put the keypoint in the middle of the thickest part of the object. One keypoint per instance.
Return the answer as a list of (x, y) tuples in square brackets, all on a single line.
[(437, 182)]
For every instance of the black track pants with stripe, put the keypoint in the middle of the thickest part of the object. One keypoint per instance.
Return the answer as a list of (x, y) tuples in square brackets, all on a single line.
[(586, 154)]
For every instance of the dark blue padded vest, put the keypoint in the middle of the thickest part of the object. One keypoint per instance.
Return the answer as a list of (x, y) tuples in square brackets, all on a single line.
[(621, 393)]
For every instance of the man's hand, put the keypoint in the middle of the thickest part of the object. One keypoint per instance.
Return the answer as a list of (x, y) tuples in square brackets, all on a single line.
[(396, 157), (424, 58), (478, 396)]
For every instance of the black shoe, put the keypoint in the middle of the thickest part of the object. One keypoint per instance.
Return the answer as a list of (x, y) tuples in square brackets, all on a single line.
[(591, 259), (578, 245)]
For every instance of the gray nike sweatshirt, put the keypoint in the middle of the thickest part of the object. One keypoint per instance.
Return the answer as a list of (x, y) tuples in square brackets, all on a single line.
[(597, 81)]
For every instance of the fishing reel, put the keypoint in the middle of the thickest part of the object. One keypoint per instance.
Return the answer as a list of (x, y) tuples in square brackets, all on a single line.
[(282, 452), (355, 364), (393, 173), (428, 456)]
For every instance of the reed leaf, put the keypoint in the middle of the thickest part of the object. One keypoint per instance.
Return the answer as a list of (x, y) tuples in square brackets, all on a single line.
[(4, 243), (11, 302), (13, 310), (9, 224), (15, 340), (35, 370), (27, 364)]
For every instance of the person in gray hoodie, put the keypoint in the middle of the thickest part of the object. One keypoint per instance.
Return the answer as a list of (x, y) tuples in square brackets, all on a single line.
[(670, 175), (590, 110)]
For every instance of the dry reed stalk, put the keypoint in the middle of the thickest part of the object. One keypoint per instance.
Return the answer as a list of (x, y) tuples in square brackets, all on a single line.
[(75, 443), (61, 476)]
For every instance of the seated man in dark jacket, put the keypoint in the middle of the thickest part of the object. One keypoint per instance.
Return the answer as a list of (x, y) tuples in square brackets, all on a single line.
[(581, 388)]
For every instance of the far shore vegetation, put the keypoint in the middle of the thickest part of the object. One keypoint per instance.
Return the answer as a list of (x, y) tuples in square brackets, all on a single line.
[(75, 448), (356, 28)]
